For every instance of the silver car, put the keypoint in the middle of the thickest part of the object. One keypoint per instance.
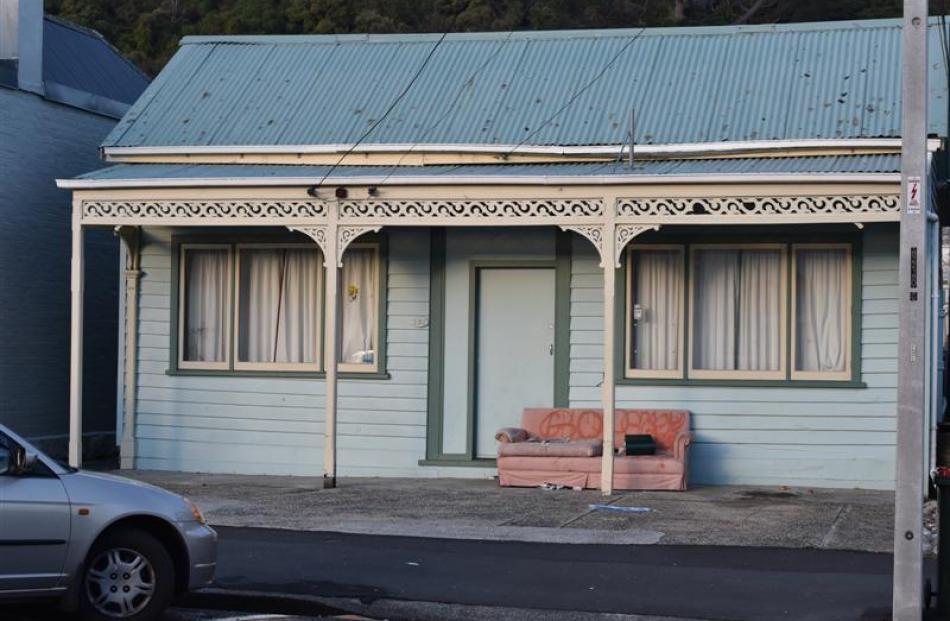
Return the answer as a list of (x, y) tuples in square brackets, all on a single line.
[(105, 546)]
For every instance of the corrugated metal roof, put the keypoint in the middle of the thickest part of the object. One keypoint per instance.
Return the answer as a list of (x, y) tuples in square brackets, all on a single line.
[(82, 59), (733, 83), (845, 164)]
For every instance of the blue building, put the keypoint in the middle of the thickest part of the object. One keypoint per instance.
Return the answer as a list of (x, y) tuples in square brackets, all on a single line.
[(361, 255), (62, 88)]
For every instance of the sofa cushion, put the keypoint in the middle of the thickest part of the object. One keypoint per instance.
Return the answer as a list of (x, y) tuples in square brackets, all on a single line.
[(512, 434), (586, 424), (551, 448), (662, 463)]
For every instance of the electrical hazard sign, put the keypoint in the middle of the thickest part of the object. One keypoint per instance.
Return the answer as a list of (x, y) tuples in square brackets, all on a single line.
[(913, 195)]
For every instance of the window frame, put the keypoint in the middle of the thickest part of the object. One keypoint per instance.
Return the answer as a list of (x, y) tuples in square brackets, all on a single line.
[(838, 376), (239, 365), (695, 237), (230, 240), (629, 371), (362, 367), (182, 300), (781, 373)]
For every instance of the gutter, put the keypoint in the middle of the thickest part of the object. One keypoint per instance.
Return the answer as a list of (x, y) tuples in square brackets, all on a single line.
[(380, 180), (699, 149)]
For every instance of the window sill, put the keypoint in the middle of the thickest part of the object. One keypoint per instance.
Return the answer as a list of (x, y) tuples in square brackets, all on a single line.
[(737, 383), (376, 375), (462, 462)]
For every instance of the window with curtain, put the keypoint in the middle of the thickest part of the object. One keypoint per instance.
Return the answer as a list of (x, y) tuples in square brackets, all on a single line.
[(278, 298), (822, 311), (205, 306), (655, 309), (738, 312), (260, 307), (769, 311), (359, 307)]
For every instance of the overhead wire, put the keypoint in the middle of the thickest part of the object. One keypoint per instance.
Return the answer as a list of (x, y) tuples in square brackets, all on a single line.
[(385, 114), (468, 83), (603, 70)]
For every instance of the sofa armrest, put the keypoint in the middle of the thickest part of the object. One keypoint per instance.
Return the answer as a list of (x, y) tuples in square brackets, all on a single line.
[(512, 434), (682, 440)]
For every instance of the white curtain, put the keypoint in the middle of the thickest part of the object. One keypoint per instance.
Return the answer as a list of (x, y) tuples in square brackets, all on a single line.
[(715, 278), (206, 305), (359, 306), (760, 311), (657, 292), (821, 309), (737, 310), (279, 312)]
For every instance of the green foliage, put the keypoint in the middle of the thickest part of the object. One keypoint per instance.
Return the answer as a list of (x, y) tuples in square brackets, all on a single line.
[(147, 31)]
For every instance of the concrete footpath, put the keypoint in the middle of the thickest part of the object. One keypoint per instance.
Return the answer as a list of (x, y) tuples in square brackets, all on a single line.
[(836, 519)]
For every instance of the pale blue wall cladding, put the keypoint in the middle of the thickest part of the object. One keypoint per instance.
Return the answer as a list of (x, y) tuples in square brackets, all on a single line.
[(805, 436), (275, 425), (40, 141), (833, 437)]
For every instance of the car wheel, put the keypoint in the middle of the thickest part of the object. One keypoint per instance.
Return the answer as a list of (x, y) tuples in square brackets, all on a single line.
[(127, 575)]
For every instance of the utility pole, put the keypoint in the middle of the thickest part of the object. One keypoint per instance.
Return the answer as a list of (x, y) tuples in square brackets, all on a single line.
[(913, 306)]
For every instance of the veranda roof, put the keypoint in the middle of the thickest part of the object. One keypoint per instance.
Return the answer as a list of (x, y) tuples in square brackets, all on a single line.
[(148, 175)]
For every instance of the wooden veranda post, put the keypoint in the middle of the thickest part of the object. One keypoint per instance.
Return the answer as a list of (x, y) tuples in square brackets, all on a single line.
[(131, 240), (331, 331), (75, 339), (607, 387)]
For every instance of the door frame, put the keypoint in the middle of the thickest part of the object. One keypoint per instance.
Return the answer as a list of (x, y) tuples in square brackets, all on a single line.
[(474, 310), (561, 263)]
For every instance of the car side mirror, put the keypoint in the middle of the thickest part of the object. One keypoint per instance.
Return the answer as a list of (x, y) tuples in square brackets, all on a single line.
[(23, 461)]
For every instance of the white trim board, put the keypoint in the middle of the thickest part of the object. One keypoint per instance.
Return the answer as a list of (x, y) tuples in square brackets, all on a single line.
[(377, 180), (683, 149)]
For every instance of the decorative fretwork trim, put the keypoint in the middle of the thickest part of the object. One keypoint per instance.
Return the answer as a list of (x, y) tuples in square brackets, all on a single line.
[(625, 234), (203, 209), (758, 205), (594, 233), (346, 234), (507, 208), (316, 233)]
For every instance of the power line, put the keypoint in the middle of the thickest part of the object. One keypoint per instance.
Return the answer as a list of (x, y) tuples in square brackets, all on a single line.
[(458, 95), (580, 92), (392, 105)]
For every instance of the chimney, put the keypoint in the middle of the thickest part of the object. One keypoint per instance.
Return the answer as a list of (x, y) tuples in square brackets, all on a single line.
[(21, 38)]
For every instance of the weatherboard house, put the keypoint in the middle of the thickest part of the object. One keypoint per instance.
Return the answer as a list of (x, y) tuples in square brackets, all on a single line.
[(362, 255), (62, 89)]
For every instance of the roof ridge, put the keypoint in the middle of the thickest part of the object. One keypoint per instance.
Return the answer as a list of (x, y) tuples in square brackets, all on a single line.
[(580, 33)]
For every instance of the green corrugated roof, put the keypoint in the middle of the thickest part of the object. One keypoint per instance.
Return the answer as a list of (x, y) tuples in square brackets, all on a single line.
[(793, 81), (143, 174)]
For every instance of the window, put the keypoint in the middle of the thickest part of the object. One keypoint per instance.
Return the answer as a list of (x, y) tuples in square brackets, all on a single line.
[(260, 307), (654, 323), (278, 308), (821, 285), (769, 311), (205, 306), (359, 308), (737, 323)]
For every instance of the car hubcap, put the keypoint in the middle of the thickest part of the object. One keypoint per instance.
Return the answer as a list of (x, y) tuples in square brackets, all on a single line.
[(120, 583)]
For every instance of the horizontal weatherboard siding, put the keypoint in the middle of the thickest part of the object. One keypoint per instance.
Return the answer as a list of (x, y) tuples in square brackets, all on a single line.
[(794, 435), (275, 425)]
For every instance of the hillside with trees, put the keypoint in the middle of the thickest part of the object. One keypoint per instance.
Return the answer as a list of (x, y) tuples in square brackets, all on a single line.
[(147, 31)]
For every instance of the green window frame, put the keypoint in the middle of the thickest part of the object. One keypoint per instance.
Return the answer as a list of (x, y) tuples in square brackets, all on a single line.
[(234, 244), (685, 373)]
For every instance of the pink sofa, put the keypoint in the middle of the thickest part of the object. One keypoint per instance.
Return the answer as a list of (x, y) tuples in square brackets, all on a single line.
[(564, 446)]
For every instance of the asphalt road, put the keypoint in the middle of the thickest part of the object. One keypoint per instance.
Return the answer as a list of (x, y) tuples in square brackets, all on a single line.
[(34, 612), (678, 581)]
